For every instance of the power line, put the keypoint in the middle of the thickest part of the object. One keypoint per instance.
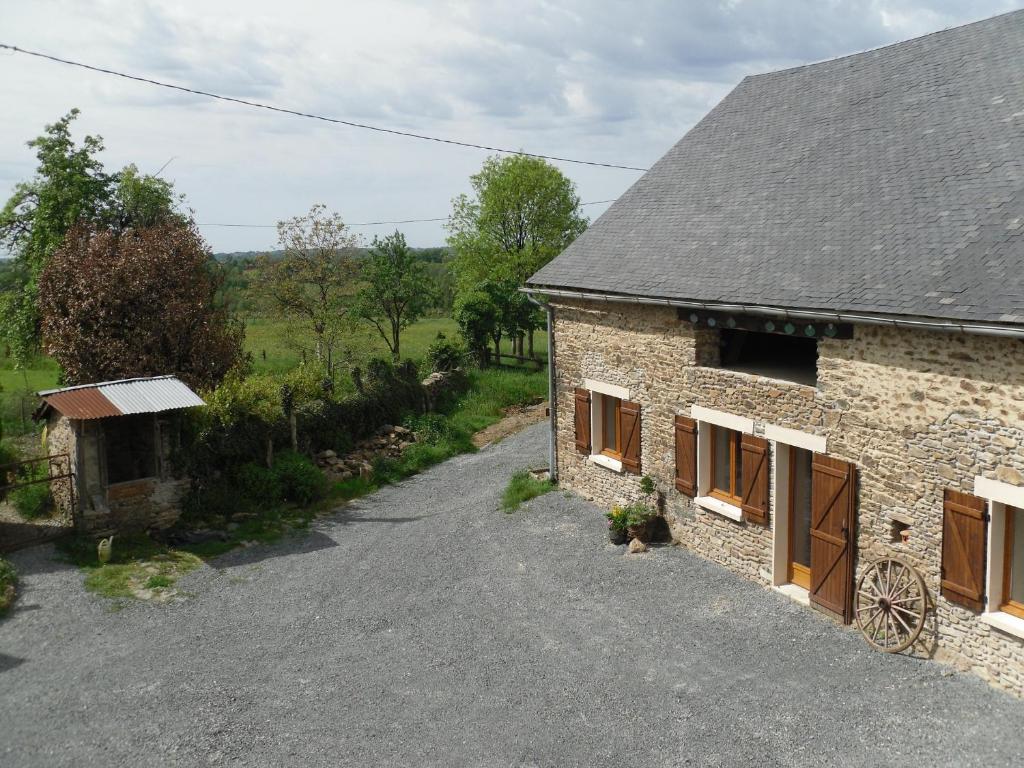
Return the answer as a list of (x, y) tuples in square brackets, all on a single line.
[(365, 223), (311, 116)]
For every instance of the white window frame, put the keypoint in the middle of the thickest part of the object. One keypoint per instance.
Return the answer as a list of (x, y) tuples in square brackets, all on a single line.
[(597, 421), (706, 418), (783, 440), (999, 496)]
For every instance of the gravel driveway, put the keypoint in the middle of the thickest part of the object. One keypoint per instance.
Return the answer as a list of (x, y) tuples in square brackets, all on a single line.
[(422, 626)]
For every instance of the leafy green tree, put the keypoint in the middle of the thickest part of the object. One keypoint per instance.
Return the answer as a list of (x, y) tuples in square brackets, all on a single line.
[(314, 283), (476, 316), (523, 213), (396, 289), (70, 187)]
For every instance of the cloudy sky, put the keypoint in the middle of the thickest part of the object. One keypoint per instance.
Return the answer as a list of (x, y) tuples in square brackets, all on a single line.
[(602, 80)]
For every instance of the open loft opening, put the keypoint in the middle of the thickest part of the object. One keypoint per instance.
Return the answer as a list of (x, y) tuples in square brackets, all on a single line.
[(790, 358)]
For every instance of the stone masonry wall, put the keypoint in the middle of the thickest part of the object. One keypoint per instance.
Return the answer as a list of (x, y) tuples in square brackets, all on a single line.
[(916, 411)]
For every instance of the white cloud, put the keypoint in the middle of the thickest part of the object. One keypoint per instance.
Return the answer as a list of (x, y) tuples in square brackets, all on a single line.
[(606, 80)]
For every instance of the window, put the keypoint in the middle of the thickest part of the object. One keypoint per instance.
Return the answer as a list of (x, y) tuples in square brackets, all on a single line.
[(131, 447), (800, 517), (726, 465), (775, 355), (611, 426), (1013, 563)]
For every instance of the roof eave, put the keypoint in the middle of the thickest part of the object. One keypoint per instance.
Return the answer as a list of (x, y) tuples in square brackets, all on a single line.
[(794, 313)]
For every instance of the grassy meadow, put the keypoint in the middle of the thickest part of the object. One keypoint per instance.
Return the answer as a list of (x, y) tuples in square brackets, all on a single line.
[(265, 339)]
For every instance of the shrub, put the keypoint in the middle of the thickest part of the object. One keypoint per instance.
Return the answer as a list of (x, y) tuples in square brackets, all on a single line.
[(259, 485), (31, 501), (8, 585), (522, 487), (429, 427), (443, 355), (299, 479), (211, 497)]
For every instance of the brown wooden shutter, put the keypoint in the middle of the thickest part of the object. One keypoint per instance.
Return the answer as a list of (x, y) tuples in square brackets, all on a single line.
[(629, 423), (964, 545), (754, 501), (686, 455), (583, 421), (833, 523)]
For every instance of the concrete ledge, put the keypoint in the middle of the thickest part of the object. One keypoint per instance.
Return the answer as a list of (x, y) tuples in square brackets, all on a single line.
[(711, 504), (722, 419), (607, 462), (794, 593), (1004, 622)]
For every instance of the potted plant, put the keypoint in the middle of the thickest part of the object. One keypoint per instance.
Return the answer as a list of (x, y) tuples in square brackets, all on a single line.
[(617, 523), (640, 513)]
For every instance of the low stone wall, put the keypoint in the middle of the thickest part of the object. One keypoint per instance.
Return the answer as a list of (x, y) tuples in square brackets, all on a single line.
[(135, 506), (916, 411)]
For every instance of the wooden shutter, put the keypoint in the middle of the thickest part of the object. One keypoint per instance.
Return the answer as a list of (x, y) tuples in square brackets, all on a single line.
[(964, 544), (583, 421), (754, 501), (629, 423), (833, 487), (686, 455)]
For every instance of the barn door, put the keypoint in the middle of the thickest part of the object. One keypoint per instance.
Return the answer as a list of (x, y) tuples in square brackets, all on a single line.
[(833, 484)]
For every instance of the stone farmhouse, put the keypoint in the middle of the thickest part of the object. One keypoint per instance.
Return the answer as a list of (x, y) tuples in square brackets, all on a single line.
[(806, 324)]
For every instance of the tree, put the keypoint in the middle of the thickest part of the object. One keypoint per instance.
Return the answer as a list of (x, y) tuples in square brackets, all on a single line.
[(70, 187), (313, 283), (476, 316), (522, 214), (142, 302), (396, 289)]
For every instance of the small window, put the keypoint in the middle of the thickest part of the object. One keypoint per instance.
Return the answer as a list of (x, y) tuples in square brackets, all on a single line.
[(611, 426), (1013, 563), (726, 465), (131, 447), (775, 355)]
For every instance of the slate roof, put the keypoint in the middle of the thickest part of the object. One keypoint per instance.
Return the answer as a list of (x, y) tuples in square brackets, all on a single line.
[(889, 182)]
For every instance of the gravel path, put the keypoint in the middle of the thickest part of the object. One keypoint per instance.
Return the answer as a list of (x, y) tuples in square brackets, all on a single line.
[(422, 626)]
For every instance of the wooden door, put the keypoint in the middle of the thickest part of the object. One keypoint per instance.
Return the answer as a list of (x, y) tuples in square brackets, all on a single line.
[(833, 485)]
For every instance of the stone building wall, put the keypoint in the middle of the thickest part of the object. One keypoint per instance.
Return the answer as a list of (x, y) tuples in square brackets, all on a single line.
[(916, 411)]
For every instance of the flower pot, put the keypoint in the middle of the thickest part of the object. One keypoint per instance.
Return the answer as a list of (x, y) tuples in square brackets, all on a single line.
[(637, 532), (617, 536)]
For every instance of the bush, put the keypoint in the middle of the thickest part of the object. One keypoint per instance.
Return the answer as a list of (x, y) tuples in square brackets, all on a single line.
[(260, 486), (31, 501), (443, 355), (8, 585), (299, 478), (212, 497)]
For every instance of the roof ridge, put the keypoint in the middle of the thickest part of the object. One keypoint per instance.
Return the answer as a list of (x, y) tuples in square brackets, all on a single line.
[(96, 385), (894, 44)]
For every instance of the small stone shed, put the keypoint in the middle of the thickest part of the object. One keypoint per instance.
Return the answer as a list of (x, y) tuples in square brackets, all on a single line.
[(119, 436)]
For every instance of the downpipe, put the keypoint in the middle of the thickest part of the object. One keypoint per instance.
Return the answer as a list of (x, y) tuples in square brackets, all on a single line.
[(549, 310)]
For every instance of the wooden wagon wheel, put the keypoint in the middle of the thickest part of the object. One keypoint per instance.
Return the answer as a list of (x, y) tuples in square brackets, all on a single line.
[(890, 605)]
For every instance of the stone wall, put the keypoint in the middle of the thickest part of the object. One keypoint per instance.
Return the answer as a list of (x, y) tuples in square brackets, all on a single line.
[(916, 411)]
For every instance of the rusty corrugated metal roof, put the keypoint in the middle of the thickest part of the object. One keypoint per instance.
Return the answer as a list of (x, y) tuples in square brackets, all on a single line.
[(120, 398), (82, 404)]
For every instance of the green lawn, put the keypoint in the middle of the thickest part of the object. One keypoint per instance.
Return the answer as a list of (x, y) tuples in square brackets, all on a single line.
[(17, 393)]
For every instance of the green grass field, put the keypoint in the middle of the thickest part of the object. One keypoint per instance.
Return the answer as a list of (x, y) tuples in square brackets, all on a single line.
[(266, 339)]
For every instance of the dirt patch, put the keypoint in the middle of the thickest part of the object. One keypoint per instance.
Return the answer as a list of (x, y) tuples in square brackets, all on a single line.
[(517, 418)]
